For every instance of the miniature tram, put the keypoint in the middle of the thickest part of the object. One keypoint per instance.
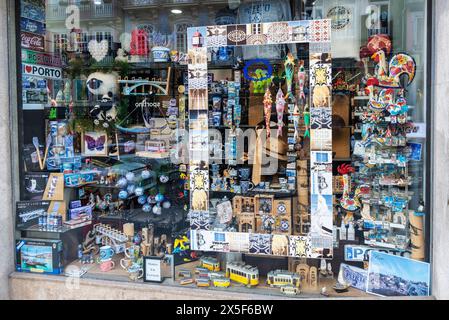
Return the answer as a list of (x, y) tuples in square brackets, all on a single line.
[(243, 274), (281, 278)]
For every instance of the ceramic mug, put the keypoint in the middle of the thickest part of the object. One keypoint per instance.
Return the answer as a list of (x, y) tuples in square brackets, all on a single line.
[(107, 265), (246, 186), (126, 263), (106, 253), (135, 271), (132, 252), (244, 173)]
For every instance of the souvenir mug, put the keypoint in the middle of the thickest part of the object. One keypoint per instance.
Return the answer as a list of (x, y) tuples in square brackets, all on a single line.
[(283, 182), (107, 265), (125, 263), (106, 253), (135, 272), (246, 186), (244, 173), (132, 252)]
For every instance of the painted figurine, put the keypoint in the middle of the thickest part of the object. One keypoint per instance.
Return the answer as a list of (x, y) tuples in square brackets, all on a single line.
[(280, 108), (307, 121), (289, 65), (302, 80), (267, 103)]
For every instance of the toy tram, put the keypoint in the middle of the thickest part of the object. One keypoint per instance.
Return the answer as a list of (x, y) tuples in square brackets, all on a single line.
[(243, 274), (210, 264), (280, 278)]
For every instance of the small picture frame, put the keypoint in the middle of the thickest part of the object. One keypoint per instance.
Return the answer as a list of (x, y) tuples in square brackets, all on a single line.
[(152, 271), (94, 144)]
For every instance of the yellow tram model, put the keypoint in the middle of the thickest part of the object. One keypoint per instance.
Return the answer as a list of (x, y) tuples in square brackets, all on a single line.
[(280, 278), (210, 264), (244, 274)]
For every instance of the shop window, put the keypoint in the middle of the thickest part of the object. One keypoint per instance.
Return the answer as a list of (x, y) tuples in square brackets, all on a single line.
[(327, 183)]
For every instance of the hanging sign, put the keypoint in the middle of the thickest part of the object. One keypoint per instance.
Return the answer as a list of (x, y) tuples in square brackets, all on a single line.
[(46, 59), (42, 71), (32, 41), (32, 11)]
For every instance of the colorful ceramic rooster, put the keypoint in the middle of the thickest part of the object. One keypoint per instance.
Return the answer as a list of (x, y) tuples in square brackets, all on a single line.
[(289, 65), (280, 108), (348, 203), (267, 104)]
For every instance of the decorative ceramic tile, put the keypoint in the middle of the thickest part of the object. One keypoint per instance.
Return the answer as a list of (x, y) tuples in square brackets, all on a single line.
[(260, 243), (320, 30), (299, 246), (237, 35), (321, 118), (321, 75), (216, 36)]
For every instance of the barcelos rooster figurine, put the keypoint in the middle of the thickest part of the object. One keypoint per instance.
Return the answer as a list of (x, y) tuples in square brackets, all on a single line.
[(280, 108), (267, 104), (348, 203)]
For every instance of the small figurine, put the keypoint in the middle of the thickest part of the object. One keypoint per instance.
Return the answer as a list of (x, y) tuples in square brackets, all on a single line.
[(267, 103), (289, 72), (280, 108)]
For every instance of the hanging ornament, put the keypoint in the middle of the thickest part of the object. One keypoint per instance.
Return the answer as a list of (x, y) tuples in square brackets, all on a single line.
[(307, 121), (289, 65), (267, 103), (146, 208), (296, 117), (302, 81), (280, 108), (98, 50), (151, 199)]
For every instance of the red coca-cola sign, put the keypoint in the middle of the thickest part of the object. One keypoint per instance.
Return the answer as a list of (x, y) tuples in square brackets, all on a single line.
[(32, 41)]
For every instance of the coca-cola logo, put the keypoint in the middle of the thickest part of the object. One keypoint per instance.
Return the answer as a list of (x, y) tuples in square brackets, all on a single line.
[(32, 41)]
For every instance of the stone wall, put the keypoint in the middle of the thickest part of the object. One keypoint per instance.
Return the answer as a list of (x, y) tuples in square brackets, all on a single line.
[(6, 209), (440, 86)]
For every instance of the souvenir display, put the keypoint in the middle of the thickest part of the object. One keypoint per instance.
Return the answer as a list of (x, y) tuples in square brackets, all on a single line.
[(160, 149)]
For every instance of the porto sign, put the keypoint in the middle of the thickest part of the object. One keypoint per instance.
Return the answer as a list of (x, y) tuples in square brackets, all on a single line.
[(42, 71), (47, 59), (355, 253)]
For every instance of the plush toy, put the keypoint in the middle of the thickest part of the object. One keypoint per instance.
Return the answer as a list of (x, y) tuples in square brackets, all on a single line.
[(104, 85)]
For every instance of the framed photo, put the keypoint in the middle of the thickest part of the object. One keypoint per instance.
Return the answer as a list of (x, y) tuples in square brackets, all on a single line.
[(94, 144), (152, 269)]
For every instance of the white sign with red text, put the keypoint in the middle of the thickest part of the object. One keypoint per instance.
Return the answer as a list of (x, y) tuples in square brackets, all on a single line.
[(42, 71)]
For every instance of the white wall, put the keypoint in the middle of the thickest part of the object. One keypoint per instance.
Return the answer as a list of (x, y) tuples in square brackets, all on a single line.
[(6, 212), (440, 108)]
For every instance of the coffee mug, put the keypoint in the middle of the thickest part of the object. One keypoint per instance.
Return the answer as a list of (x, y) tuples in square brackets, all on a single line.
[(107, 266), (106, 253), (246, 186), (126, 263), (135, 271), (132, 252), (244, 173)]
